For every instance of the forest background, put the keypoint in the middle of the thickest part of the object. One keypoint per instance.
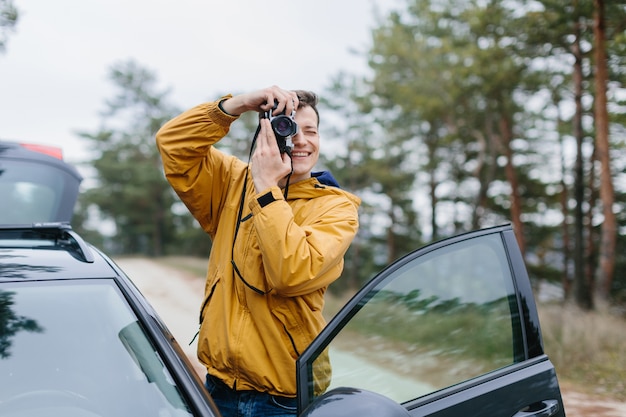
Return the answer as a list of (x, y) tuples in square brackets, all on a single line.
[(473, 113)]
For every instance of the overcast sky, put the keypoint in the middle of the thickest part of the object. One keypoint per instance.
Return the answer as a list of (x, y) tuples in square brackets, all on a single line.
[(53, 74)]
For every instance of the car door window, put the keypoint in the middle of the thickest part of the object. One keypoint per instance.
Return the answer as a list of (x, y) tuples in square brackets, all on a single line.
[(436, 320)]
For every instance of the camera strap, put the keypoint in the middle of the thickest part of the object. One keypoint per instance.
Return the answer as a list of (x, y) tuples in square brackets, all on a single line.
[(241, 219)]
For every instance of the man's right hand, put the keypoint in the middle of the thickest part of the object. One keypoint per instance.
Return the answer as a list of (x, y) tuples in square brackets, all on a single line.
[(262, 101), (268, 165)]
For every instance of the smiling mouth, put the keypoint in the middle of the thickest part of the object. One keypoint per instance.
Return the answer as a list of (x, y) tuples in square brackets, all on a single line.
[(299, 154)]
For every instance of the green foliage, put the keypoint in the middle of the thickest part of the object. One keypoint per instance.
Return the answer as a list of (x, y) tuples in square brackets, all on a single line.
[(451, 73), (465, 114), (360, 152), (8, 19), (482, 91), (131, 190)]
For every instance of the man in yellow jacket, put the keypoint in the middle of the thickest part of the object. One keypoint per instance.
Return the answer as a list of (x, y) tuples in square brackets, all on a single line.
[(279, 233)]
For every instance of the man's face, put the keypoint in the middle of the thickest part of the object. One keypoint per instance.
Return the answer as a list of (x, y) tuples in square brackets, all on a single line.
[(306, 142)]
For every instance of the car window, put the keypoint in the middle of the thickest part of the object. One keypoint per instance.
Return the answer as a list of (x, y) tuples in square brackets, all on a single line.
[(437, 320), (36, 190), (33, 192), (79, 349)]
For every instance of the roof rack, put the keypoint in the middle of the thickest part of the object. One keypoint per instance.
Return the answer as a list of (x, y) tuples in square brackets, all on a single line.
[(60, 233)]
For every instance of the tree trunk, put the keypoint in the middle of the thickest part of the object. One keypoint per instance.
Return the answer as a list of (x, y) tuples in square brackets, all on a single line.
[(433, 207), (391, 237), (565, 278), (607, 195), (511, 176), (590, 248), (582, 292), (485, 172), (431, 143)]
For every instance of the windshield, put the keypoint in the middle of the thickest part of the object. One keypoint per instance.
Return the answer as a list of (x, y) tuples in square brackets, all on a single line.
[(69, 348)]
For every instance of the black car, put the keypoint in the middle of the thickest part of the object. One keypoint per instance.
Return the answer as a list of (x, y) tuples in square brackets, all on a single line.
[(76, 336), (449, 330)]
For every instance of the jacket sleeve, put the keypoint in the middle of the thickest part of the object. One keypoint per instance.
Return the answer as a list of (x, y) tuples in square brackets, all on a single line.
[(197, 171), (304, 255)]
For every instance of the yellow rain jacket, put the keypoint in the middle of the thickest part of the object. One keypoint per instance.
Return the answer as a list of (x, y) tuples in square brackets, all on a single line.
[(255, 324)]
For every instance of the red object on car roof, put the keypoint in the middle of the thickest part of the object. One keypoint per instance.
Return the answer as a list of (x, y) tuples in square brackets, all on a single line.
[(45, 149)]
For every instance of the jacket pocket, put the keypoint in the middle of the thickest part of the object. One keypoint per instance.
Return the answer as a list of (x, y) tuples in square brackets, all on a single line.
[(297, 324), (208, 295)]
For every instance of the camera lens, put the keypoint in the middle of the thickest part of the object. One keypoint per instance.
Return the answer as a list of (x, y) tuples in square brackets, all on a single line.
[(283, 126)]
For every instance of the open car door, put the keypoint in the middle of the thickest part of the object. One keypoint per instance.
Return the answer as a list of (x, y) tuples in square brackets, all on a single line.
[(449, 330)]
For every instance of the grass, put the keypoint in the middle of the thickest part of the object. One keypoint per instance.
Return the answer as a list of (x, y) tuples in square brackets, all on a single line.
[(588, 349)]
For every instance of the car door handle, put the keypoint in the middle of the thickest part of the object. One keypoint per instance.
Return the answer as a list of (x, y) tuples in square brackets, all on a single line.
[(544, 408)]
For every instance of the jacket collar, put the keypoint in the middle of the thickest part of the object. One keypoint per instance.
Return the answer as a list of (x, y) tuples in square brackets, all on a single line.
[(326, 178)]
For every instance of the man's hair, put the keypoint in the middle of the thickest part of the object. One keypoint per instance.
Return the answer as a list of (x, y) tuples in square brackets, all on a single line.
[(308, 99)]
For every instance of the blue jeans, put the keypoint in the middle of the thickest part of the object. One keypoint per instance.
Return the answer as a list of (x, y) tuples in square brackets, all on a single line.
[(233, 403)]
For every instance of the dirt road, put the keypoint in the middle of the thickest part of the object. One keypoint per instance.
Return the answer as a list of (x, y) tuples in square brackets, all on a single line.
[(177, 295)]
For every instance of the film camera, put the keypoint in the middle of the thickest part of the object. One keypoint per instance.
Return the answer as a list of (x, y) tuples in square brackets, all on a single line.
[(284, 128)]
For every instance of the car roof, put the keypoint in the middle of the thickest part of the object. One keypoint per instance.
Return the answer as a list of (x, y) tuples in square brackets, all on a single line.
[(49, 155), (46, 264), (49, 251)]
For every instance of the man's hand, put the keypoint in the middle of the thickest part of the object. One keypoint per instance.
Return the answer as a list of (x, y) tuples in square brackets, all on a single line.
[(262, 101), (268, 165)]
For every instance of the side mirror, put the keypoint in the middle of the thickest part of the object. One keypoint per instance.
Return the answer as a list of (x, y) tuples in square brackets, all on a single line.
[(353, 402)]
